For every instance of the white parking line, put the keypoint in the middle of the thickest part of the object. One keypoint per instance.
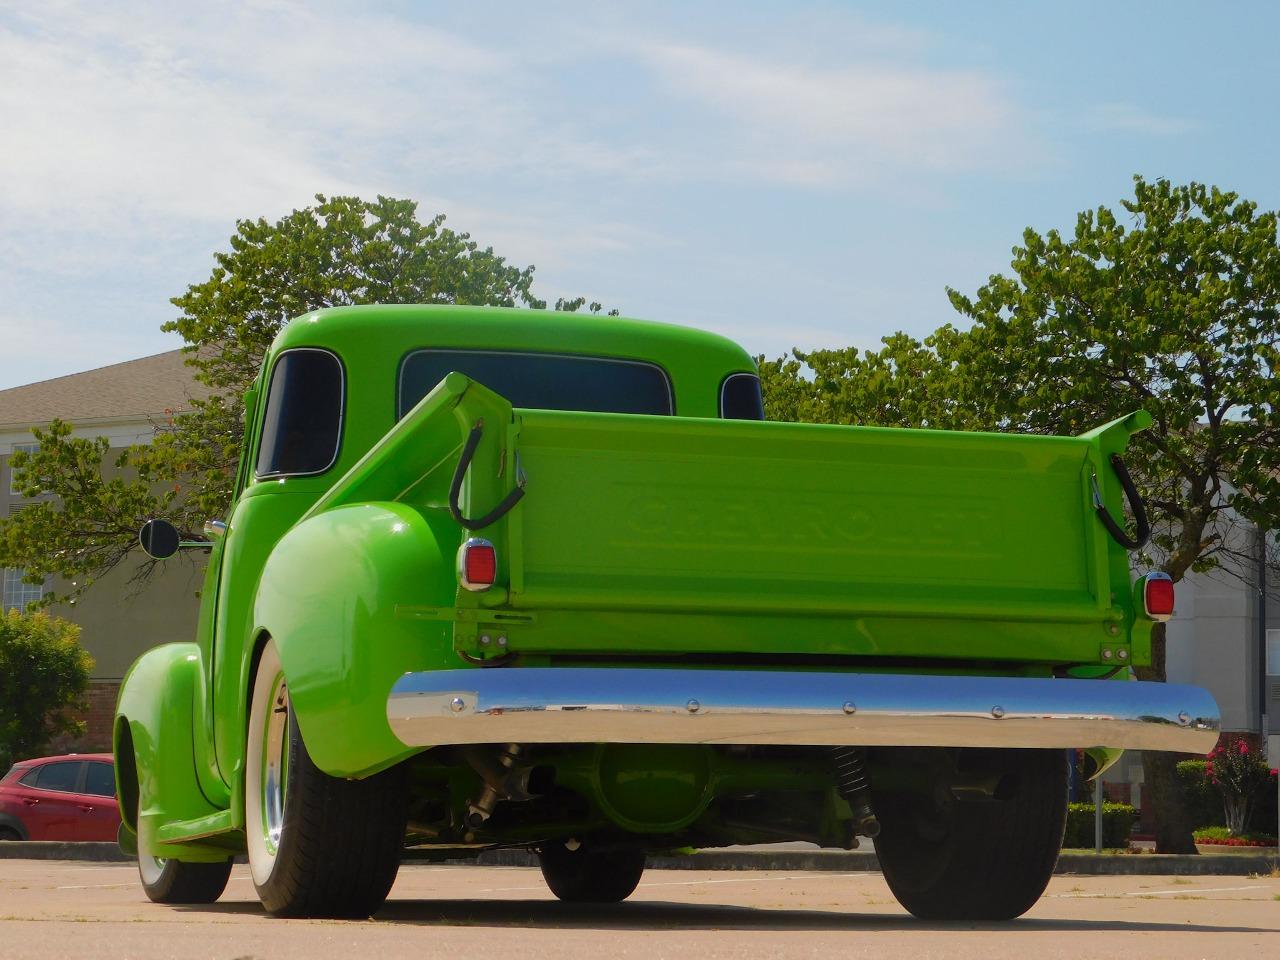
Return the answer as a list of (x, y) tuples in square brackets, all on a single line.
[(1188, 889)]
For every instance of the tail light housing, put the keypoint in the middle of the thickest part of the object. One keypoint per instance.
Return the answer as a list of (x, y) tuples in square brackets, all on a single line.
[(477, 564), (1157, 596)]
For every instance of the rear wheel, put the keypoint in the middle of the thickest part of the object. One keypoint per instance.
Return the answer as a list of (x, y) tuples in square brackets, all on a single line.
[(8, 833), (319, 846), (584, 875), (979, 859)]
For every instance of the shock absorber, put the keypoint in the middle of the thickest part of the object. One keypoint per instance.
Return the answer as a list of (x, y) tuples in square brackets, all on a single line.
[(852, 784)]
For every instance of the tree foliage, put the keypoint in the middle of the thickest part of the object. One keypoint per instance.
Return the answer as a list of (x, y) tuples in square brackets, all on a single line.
[(43, 672), (339, 252)]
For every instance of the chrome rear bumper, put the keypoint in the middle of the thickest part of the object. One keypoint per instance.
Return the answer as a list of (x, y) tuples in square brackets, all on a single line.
[(625, 705)]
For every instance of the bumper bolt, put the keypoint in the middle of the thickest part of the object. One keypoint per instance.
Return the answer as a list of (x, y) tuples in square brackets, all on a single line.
[(693, 706), (457, 704), (1184, 718), (850, 707), (997, 711)]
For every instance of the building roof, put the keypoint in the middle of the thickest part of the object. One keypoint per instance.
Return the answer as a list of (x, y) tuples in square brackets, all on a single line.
[(136, 388)]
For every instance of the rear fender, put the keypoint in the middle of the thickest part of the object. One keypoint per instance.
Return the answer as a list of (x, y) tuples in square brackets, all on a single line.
[(154, 750), (344, 597)]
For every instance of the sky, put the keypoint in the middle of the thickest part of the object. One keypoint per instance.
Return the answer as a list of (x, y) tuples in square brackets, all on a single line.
[(787, 174)]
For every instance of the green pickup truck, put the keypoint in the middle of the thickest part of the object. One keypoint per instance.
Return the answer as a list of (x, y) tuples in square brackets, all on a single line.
[(504, 578)]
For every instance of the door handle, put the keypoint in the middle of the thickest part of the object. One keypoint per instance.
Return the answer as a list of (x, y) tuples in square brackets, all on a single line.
[(29, 801), (86, 808)]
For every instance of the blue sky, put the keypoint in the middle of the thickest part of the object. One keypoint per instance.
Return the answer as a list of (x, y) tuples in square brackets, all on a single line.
[(787, 174)]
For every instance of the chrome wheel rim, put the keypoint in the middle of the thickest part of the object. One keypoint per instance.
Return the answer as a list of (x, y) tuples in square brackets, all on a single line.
[(150, 868), (275, 765)]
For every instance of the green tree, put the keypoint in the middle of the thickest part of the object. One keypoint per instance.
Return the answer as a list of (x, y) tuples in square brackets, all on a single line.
[(43, 672), (341, 251), (1172, 305)]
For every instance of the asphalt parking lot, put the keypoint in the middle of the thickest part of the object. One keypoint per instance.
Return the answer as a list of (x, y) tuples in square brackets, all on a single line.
[(53, 909)]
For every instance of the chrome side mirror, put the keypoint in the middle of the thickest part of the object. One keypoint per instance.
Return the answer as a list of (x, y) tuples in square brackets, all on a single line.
[(159, 539)]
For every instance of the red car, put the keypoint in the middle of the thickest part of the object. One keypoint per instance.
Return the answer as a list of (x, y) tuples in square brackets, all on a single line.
[(60, 798)]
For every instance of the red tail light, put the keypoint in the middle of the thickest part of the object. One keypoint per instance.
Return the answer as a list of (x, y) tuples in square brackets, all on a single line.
[(477, 564), (1157, 596)]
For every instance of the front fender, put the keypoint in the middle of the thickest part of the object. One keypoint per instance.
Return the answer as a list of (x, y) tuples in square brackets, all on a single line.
[(154, 749), (328, 597)]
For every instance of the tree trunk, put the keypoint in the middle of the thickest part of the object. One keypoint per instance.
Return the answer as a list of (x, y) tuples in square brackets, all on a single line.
[(1173, 825), (1159, 771)]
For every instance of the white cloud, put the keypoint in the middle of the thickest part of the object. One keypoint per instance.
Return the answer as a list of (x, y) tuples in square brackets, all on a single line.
[(805, 124), (150, 112)]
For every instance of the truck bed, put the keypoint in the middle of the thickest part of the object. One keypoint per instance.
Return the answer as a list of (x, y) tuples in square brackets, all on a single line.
[(677, 537)]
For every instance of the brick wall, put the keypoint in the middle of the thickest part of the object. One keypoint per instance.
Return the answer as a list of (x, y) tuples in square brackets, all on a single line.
[(99, 712)]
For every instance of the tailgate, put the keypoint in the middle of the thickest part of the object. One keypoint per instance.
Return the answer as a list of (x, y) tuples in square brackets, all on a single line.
[(669, 534), (634, 512)]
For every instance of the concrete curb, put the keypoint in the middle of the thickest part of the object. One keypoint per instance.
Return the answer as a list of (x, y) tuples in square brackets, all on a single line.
[(1226, 865), (104, 852)]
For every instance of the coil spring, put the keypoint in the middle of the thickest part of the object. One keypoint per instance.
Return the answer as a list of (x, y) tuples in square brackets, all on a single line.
[(851, 773), (852, 784)]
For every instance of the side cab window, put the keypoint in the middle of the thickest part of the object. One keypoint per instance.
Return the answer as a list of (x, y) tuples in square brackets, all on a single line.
[(302, 420), (740, 397)]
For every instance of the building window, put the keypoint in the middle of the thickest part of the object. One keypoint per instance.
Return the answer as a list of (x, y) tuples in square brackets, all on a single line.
[(25, 448), (18, 594), (1273, 653)]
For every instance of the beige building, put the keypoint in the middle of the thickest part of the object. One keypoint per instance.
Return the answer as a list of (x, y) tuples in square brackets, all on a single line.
[(119, 618)]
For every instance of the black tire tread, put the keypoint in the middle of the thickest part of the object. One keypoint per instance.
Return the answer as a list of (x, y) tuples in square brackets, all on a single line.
[(341, 848), (189, 882), (1000, 855), (591, 876)]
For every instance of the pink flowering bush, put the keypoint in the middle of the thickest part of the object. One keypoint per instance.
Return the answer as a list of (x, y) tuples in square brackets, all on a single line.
[(1240, 776)]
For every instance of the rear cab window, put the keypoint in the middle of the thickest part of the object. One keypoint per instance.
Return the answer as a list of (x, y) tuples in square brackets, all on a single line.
[(302, 421), (543, 381)]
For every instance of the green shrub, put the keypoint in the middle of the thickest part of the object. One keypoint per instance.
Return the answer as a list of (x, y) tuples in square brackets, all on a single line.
[(43, 672), (1221, 836), (1117, 821)]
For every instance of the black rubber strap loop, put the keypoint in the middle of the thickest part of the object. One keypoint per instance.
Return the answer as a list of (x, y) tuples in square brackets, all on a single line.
[(1142, 529), (460, 473)]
